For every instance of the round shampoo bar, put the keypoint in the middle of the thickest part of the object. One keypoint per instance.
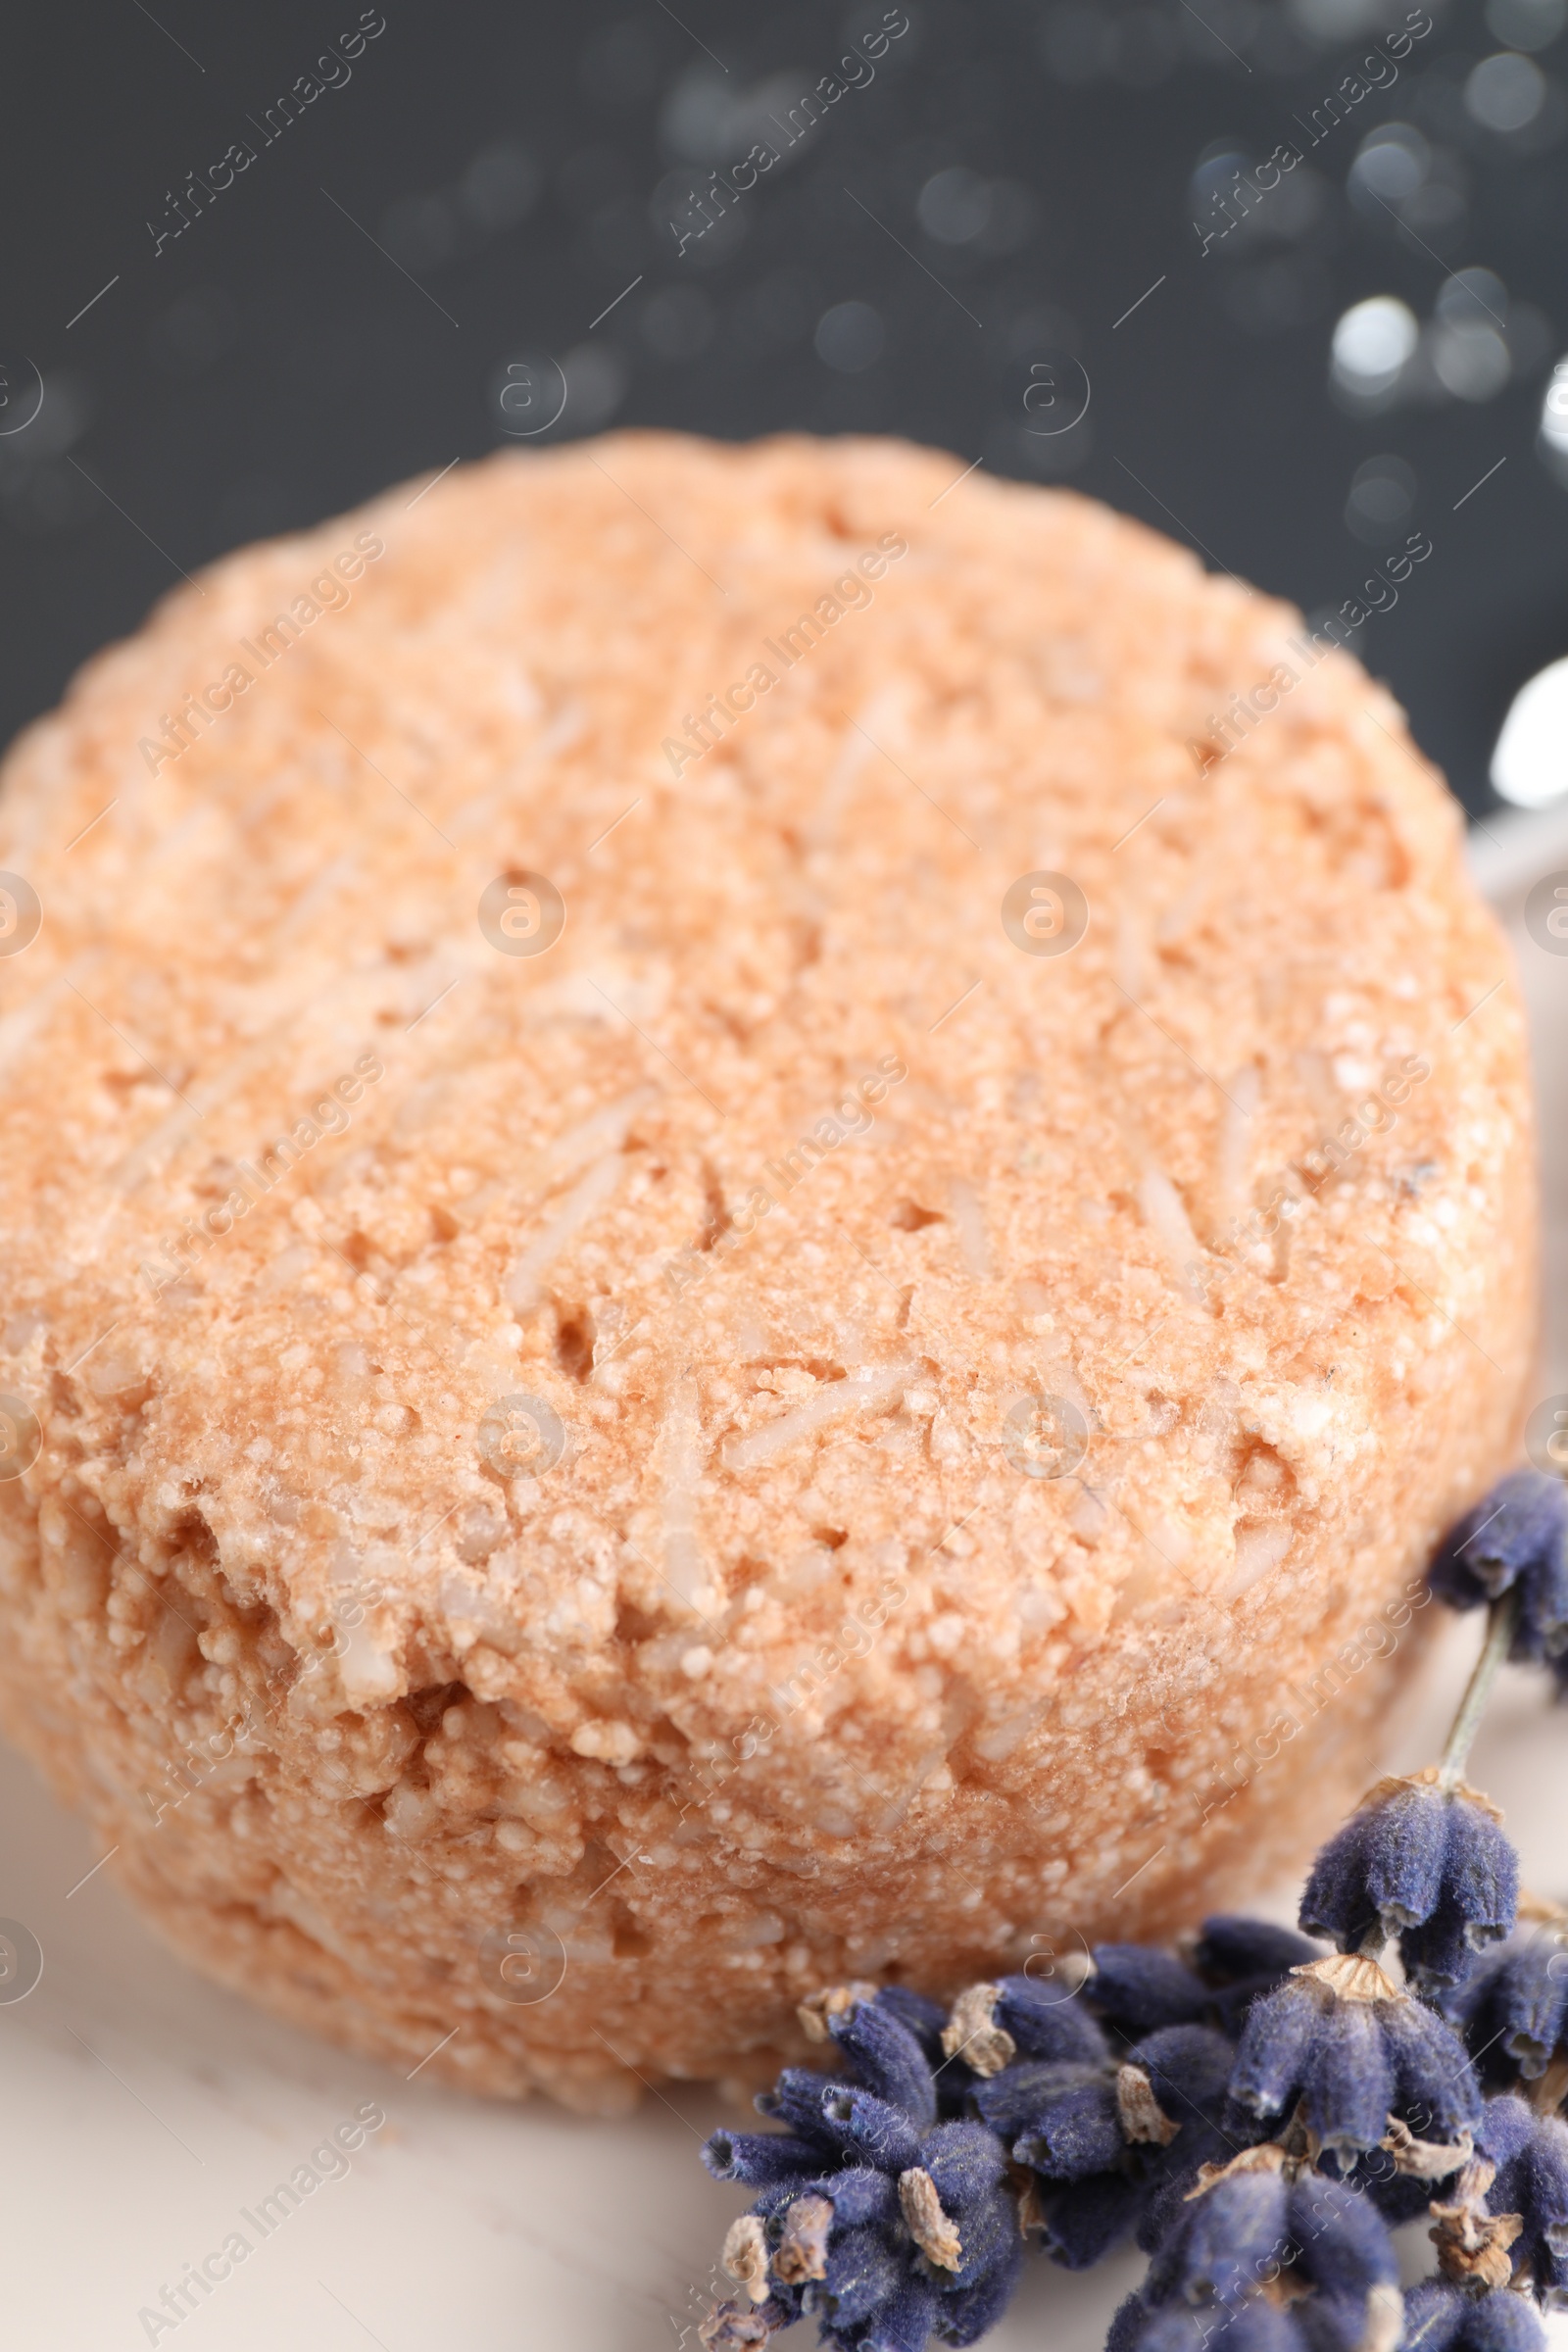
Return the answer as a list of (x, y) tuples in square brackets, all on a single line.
[(756, 1210)]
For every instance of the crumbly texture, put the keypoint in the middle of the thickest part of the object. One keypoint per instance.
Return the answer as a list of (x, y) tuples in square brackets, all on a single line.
[(785, 1670)]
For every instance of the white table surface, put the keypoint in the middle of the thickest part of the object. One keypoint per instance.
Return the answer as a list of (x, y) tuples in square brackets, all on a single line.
[(144, 2108)]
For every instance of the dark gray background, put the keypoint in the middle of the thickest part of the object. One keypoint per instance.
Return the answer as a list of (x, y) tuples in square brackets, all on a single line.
[(274, 365)]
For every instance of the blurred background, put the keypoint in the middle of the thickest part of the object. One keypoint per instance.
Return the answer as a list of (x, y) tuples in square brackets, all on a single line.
[(1304, 259)]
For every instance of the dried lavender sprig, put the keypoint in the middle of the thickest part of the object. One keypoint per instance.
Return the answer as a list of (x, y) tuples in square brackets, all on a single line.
[(876, 2218), (1423, 1857), (875, 2246)]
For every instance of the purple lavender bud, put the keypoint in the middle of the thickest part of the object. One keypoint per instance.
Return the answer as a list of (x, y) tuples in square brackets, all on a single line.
[(1340, 2037), (874, 2131), (1514, 2007), (1045, 2025), (1223, 2244), (1516, 1537), (795, 2101), (1078, 2131), (1531, 2154), (1083, 2221), (777, 2196), (1024, 2095), (1480, 1897), (759, 2158), (857, 2195), (1139, 1987), (1210, 2134), (1189, 2071), (964, 2160), (1278, 2047), (1129, 2323), (1341, 2244), (887, 2057), (1438, 2318), (1233, 1950), (987, 2230), (1505, 2133), (903, 2322), (1384, 1869), (1261, 2234), (862, 2274), (1442, 1950), (1111, 2145), (1434, 2081), (924, 2018), (952, 2078), (1427, 1864), (1481, 1875), (974, 2311)]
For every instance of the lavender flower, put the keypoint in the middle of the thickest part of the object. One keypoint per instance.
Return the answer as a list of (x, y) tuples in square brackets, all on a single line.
[(1136, 1988), (1339, 2036), (1438, 2318), (874, 2218), (1329, 2240), (1513, 2008), (1045, 2070), (1403, 2172), (1515, 1540), (1427, 1863), (927, 2020), (1233, 1950), (1260, 2231), (1224, 2244), (1505, 2218), (993, 2024), (1041, 2068), (1240, 1958), (1105, 2139)]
